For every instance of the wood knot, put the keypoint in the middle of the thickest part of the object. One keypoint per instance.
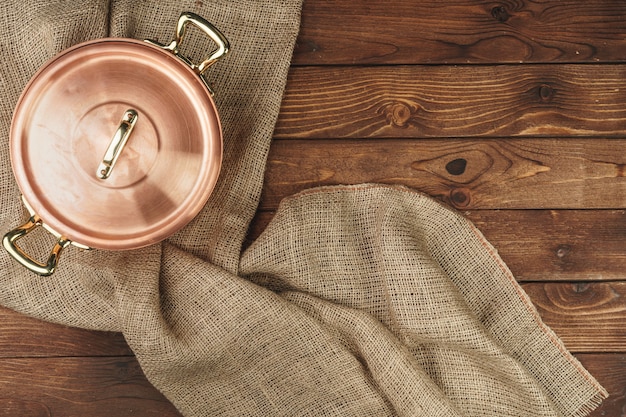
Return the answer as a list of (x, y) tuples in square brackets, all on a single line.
[(546, 93), (500, 14), (460, 197), (398, 113), (457, 166)]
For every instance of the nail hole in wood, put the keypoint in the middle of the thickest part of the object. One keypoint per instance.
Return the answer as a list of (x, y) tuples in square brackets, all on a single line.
[(563, 251)]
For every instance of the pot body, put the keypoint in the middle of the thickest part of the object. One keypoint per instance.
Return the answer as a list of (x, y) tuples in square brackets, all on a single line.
[(115, 144)]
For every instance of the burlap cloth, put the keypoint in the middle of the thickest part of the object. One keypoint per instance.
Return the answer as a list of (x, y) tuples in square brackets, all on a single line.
[(356, 301)]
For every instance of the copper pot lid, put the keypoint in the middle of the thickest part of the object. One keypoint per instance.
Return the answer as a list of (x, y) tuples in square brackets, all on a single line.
[(116, 143)]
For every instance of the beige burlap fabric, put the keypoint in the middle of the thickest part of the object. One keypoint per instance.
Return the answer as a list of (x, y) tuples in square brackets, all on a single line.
[(422, 301), (356, 301), (249, 84)]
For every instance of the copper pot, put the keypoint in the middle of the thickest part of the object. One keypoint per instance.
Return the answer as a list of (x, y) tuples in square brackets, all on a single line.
[(115, 144)]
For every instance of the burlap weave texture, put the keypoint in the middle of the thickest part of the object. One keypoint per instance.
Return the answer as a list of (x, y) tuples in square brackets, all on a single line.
[(249, 84), (364, 301), (430, 277)]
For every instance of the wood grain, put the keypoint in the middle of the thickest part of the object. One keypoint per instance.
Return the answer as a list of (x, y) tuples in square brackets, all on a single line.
[(22, 336), (92, 387), (543, 245), (496, 174), (512, 111), (454, 101), (558, 245), (454, 32), (109, 386), (588, 317), (610, 371)]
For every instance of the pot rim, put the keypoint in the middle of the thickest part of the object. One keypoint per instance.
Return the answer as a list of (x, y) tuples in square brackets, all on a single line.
[(52, 215)]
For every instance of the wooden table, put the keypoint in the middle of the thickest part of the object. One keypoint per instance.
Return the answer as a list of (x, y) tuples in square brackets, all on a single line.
[(512, 112)]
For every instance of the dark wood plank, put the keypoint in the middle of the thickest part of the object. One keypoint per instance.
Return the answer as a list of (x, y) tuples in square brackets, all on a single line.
[(610, 371), (401, 32), (557, 245), (544, 245), (467, 174), (46, 369), (588, 317), (22, 336), (78, 387), (106, 387), (454, 101)]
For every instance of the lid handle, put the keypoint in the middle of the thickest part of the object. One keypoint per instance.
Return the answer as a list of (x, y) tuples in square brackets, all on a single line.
[(117, 144), (223, 46)]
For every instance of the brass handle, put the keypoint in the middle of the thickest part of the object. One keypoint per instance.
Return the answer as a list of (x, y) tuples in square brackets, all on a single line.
[(9, 243), (223, 46), (129, 119)]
